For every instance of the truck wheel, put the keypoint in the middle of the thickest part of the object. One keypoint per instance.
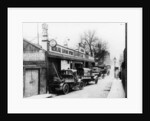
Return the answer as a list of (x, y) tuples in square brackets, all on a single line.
[(81, 85), (65, 89)]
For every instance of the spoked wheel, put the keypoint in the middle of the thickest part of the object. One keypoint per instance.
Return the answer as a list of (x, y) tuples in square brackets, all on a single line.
[(65, 89), (81, 85)]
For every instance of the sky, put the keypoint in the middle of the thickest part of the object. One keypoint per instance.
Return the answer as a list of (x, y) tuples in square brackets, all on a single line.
[(112, 33)]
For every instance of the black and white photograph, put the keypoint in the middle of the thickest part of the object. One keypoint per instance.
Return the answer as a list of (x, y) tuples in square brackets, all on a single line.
[(74, 60)]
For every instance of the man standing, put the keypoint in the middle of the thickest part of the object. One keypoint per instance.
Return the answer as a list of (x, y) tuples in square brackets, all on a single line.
[(116, 73)]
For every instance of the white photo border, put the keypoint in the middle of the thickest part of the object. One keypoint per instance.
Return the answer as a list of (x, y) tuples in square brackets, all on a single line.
[(16, 102)]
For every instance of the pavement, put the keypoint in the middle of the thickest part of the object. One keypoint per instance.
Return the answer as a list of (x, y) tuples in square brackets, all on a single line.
[(117, 90), (40, 96), (106, 88)]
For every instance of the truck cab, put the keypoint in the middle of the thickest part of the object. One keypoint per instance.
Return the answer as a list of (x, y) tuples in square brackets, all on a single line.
[(67, 80)]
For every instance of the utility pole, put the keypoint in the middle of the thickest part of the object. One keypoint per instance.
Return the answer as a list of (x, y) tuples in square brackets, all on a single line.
[(38, 33)]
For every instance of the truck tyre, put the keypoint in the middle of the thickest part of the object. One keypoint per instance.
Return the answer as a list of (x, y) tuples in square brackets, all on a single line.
[(65, 89)]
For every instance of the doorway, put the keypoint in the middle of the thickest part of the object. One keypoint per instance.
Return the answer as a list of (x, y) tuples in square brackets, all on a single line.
[(31, 82)]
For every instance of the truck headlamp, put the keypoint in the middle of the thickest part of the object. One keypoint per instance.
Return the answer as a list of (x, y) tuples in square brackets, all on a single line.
[(79, 80), (95, 77)]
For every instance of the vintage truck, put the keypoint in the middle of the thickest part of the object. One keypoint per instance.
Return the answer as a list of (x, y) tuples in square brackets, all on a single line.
[(87, 76), (96, 71), (67, 80)]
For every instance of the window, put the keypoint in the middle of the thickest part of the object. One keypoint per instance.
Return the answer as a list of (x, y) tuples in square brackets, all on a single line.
[(70, 53), (76, 53), (65, 51), (57, 49)]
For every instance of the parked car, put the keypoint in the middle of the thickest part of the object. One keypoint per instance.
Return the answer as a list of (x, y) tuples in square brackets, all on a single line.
[(67, 81)]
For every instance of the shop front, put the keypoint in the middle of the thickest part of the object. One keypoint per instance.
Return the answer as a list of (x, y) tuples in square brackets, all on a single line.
[(34, 70)]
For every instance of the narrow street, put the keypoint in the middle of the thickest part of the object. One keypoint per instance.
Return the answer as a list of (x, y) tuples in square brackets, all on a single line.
[(99, 90), (105, 88)]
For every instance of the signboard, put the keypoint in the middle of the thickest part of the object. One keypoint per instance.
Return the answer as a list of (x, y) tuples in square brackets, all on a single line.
[(45, 33), (36, 56), (81, 49), (54, 47), (86, 77)]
